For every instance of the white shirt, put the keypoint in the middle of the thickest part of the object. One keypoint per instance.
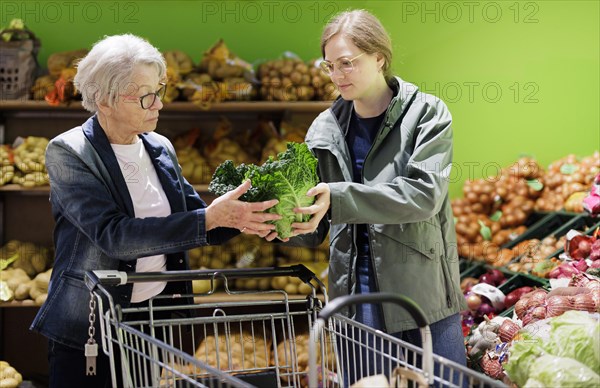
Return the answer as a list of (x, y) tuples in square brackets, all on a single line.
[(149, 200)]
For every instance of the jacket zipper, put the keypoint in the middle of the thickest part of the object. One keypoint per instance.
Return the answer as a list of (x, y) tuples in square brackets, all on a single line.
[(446, 281), (372, 262)]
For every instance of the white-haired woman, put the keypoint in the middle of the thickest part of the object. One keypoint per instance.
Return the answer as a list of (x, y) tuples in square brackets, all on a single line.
[(120, 202)]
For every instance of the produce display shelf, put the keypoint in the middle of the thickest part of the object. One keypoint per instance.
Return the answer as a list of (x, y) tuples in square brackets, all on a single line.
[(232, 106), (44, 190), (585, 224), (544, 227)]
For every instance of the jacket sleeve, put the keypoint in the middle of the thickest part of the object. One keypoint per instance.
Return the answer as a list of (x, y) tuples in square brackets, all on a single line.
[(194, 201), (415, 196), (81, 196)]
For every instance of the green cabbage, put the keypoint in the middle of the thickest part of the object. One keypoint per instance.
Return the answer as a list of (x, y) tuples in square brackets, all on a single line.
[(575, 334), (552, 371), (522, 354), (287, 178), (568, 356)]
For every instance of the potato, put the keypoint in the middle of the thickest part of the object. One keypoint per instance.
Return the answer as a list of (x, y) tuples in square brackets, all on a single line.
[(22, 290)]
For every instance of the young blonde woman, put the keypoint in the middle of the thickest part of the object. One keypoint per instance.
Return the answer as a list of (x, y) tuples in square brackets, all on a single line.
[(385, 152)]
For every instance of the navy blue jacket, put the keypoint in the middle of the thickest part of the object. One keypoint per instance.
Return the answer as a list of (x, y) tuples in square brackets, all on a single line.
[(96, 228)]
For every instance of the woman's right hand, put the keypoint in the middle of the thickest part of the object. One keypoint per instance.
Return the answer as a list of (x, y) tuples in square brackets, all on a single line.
[(249, 217), (317, 211)]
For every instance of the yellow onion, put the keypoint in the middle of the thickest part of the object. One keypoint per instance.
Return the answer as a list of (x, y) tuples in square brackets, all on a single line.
[(556, 305)]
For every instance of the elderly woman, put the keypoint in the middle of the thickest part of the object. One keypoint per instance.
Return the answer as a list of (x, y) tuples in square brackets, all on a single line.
[(120, 202)]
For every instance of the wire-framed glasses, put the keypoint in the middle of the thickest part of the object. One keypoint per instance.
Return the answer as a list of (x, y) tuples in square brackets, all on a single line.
[(345, 65)]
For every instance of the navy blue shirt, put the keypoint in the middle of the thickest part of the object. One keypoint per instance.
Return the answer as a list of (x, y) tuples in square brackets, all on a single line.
[(360, 138)]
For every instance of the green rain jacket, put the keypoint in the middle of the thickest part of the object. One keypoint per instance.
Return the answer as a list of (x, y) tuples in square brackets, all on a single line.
[(403, 199)]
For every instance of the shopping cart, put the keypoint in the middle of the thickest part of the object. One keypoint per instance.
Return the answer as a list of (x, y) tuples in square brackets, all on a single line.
[(251, 338), (365, 355)]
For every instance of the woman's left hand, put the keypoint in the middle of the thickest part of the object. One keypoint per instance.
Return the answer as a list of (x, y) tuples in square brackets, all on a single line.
[(317, 210)]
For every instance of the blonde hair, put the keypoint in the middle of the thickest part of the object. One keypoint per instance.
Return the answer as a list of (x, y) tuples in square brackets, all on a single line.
[(107, 69), (366, 32)]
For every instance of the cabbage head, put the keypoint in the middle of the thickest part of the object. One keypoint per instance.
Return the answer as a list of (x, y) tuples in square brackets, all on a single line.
[(286, 178)]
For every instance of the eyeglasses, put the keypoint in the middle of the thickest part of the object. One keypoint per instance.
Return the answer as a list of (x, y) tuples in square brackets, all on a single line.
[(345, 65), (147, 100)]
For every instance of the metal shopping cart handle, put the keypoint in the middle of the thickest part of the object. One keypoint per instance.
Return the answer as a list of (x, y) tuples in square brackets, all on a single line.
[(408, 304), (383, 297), (116, 278)]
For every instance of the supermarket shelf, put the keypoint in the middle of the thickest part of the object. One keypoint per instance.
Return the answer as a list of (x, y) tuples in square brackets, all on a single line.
[(223, 107), (44, 190)]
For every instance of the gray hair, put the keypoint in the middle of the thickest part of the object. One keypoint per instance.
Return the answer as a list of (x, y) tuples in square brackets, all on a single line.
[(107, 69)]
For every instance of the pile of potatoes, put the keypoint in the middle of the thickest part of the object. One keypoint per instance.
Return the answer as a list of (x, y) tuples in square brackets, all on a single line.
[(26, 163), (287, 79), (27, 276), (9, 377), (7, 168), (493, 210), (25, 289)]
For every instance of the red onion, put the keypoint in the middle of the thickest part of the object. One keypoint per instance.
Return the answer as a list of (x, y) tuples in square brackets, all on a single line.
[(486, 309)]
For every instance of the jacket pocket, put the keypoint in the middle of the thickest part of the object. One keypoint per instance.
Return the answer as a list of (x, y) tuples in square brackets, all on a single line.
[(424, 237)]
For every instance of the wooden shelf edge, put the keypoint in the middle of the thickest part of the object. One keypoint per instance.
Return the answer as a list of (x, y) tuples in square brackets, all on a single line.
[(232, 106), (14, 188)]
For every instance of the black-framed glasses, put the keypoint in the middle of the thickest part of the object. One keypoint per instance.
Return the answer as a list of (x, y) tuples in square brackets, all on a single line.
[(345, 65), (147, 100)]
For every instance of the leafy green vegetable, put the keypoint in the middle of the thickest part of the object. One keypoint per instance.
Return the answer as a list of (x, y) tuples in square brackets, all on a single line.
[(522, 355), (287, 178), (576, 335), (552, 371)]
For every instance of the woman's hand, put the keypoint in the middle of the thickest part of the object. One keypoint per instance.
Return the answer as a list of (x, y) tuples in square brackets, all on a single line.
[(249, 217), (317, 210)]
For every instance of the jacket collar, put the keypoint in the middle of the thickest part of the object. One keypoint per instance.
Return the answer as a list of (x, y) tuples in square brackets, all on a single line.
[(404, 93), (158, 154)]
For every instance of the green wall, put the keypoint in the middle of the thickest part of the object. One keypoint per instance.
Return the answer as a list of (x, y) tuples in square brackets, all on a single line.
[(520, 77)]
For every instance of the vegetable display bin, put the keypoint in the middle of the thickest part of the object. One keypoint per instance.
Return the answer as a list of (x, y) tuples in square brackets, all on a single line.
[(582, 223), (544, 227), (518, 281), (479, 269), (465, 265)]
